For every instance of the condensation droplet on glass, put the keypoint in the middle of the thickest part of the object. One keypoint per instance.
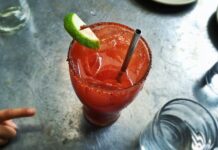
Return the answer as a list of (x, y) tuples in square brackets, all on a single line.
[(140, 53), (113, 43)]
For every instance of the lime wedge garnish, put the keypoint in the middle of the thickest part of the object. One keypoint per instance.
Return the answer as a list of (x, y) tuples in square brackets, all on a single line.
[(86, 37)]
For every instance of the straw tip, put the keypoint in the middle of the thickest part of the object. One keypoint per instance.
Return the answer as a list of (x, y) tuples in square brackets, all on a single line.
[(138, 31)]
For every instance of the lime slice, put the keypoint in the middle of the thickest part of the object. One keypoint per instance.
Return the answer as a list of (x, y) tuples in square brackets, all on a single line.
[(86, 37)]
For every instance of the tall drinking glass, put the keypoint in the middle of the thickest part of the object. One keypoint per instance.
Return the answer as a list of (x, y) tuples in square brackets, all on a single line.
[(13, 15), (181, 124), (94, 73)]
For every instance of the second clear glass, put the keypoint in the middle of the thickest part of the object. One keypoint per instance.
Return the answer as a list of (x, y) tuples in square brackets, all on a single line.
[(181, 124)]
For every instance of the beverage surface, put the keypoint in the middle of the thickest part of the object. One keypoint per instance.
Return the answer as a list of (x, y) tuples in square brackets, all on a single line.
[(100, 68)]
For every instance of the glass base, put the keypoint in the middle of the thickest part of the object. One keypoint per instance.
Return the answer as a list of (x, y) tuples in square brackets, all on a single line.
[(99, 118)]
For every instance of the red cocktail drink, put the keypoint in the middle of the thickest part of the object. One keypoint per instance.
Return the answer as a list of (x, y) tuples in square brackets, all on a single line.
[(94, 73)]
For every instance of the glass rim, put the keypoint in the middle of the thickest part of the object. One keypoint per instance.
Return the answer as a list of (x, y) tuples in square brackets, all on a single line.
[(70, 62)]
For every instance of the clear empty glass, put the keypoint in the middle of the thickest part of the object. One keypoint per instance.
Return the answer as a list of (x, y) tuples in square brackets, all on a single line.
[(181, 124), (13, 15)]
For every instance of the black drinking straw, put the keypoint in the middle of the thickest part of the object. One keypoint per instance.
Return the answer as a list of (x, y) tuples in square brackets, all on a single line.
[(130, 51)]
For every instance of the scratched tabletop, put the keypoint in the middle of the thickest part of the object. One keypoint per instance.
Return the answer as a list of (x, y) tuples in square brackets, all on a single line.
[(34, 71)]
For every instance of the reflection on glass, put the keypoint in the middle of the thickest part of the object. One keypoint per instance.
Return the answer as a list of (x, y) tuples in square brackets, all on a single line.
[(13, 15)]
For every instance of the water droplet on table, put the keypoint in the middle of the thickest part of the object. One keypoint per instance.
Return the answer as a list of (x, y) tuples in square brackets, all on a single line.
[(93, 13)]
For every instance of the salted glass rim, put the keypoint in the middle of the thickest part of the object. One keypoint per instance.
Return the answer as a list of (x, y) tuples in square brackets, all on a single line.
[(134, 85)]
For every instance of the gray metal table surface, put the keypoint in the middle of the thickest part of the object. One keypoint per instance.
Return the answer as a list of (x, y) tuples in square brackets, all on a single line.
[(34, 71)]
